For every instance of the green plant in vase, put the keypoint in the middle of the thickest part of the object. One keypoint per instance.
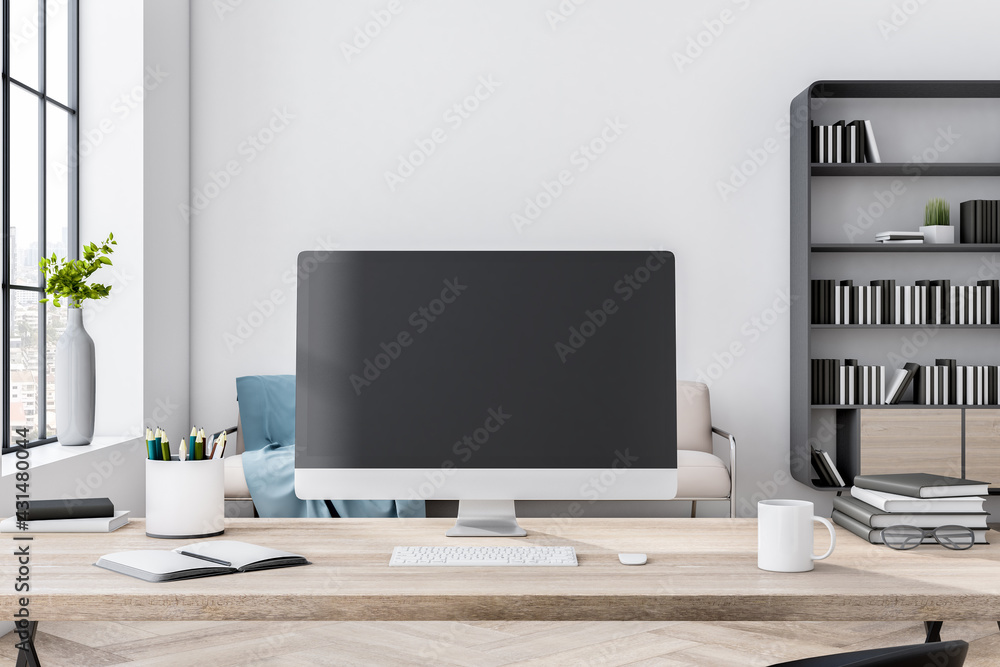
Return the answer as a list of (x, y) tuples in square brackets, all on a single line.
[(76, 377)]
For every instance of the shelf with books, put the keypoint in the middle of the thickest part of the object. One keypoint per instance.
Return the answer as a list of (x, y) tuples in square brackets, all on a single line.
[(902, 406), (905, 326), (904, 247), (846, 199), (907, 169)]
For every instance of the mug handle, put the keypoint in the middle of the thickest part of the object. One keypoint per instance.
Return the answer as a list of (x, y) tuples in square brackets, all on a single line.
[(833, 537)]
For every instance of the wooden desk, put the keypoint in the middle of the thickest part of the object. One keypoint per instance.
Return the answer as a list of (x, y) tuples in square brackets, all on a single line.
[(698, 569)]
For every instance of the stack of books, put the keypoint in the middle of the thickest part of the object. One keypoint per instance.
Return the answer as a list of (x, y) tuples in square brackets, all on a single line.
[(980, 221), (66, 515), (841, 142), (915, 499), (899, 237)]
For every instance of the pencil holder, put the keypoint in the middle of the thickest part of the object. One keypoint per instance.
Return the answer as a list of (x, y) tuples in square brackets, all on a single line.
[(185, 499)]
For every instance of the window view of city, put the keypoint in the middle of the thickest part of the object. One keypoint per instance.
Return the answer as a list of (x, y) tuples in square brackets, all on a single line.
[(27, 363), (37, 87)]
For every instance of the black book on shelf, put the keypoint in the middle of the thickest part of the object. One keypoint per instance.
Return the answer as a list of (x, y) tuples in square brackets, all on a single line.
[(838, 138), (859, 134), (819, 465), (992, 231), (951, 365), (945, 286), (852, 381), (814, 302), (852, 296), (980, 214), (994, 286), (967, 224), (924, 303)]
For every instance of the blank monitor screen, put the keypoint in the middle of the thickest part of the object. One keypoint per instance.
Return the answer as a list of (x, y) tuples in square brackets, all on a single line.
[(485, 359)]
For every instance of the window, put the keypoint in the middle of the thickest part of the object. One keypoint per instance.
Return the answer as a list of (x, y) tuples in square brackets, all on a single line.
[(40, 183)]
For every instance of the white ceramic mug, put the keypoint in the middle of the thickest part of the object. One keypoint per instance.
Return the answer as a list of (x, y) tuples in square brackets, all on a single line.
[(785, 535)]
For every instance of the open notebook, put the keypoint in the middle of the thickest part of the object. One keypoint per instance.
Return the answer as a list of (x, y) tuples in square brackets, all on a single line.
[(202, 559)]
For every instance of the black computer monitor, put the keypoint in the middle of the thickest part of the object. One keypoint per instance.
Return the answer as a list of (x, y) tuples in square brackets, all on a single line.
[(487, 377)]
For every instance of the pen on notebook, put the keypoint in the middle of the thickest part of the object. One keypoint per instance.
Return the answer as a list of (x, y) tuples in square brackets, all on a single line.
[(211, 560)]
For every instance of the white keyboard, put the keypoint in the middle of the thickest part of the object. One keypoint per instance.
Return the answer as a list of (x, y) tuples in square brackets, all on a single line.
[(482, 556)]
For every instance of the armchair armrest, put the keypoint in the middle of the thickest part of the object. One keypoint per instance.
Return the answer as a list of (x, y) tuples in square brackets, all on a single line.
[(732, 468)]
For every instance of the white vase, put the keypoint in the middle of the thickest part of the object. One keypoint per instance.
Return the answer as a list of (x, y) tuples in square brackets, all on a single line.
[(938, 233), (76, 382)]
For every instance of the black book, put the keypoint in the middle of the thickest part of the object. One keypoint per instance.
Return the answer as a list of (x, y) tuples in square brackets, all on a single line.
[(835, 380), (945, 286), (839, 138), (859, 134), (923, 301), (991, 374), (814, 302), (874, 535), (994, 286), (852, 381), (967, 225), (952, 367), (813, 142), (820, 465), (980, 214), (852, 309), (68, 508), (922, 485)]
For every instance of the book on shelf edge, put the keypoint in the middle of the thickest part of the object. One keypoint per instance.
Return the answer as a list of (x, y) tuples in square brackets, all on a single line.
[(874, 535), (922, 485), (873, 517)]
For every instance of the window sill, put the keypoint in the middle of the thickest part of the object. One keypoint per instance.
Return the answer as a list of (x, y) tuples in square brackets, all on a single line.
[(53, 452)]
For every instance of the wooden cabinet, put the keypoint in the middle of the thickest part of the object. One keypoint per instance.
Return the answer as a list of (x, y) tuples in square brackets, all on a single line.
[(898, 441), (982, 446)]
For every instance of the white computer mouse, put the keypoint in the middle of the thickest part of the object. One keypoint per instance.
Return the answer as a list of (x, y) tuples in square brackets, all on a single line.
[(632, 559)]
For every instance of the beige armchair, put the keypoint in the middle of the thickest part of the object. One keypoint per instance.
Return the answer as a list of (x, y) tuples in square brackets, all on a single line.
[(701, 475)]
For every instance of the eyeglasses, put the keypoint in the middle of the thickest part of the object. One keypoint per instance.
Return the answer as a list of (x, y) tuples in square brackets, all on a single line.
[(908, 537)]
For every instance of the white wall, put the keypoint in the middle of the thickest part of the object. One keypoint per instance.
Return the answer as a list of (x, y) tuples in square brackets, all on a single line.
[(340, 126)]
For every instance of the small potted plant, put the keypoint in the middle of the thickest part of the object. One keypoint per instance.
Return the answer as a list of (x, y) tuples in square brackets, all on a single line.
[(76, 379), (937, 219)]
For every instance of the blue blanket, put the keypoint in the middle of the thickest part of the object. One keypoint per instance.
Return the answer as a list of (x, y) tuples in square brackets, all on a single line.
[(267, 420)]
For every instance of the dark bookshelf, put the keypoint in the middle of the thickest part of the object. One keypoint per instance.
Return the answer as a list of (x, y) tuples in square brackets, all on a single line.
[(906, 169), (904, 247), (902, 406), (845, 445), (905, 326)]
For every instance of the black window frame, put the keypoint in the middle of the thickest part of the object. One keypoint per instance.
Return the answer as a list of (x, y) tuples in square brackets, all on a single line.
[(46, 431)]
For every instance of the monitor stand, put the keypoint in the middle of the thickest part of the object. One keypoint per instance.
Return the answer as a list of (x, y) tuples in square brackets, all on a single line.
[(486, 518)]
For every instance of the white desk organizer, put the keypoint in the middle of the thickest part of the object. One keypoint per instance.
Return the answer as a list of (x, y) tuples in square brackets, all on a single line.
[(185, 499)]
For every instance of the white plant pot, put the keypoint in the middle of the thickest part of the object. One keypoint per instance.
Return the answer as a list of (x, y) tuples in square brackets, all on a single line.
[(938, 233), (75, 382)]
